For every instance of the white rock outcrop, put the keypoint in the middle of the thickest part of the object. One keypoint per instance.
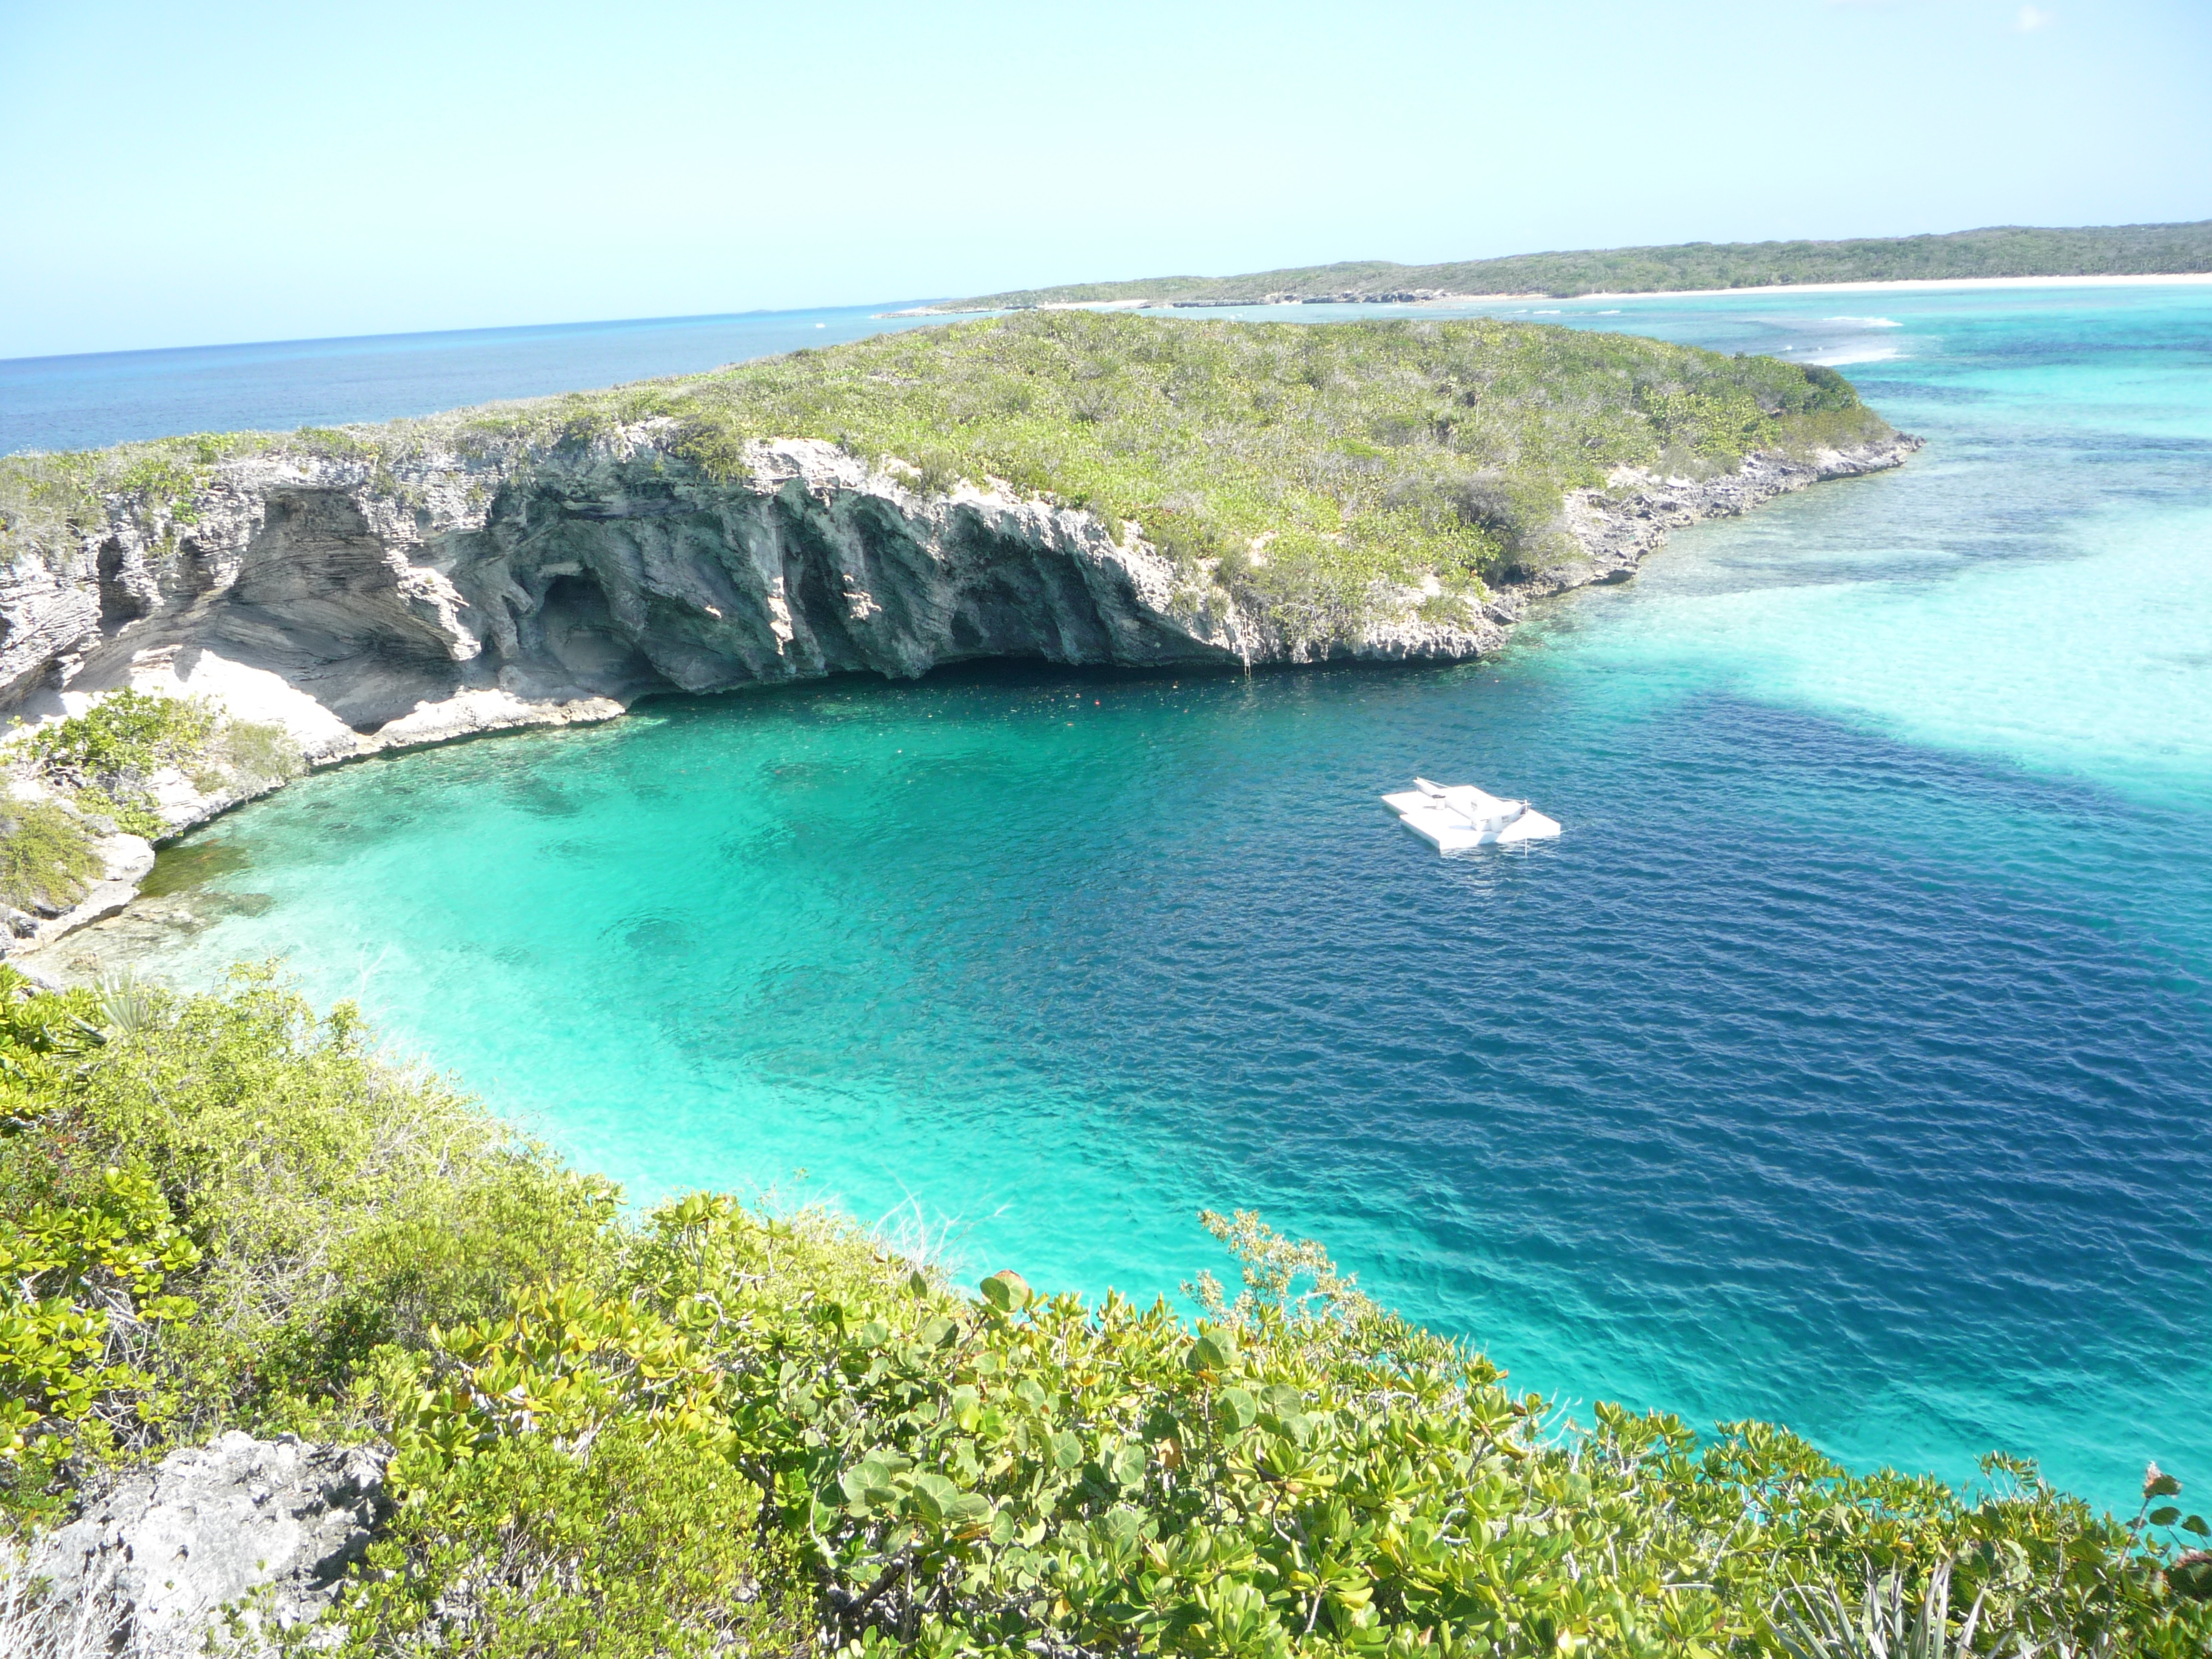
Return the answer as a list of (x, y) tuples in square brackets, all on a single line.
[(241, 1534)]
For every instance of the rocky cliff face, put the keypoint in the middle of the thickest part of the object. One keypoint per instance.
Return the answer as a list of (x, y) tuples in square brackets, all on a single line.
[(244, 1533), (362, 607), (365, 605)]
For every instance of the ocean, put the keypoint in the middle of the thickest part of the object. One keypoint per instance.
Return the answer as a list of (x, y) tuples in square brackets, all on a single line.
[(1847, 1063), (89, 401)]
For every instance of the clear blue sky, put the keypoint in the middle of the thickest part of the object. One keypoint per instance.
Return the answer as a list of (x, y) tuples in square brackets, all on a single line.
[(183, 174)]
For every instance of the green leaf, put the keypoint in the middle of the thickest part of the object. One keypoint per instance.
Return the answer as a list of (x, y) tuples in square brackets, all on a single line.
[(1066, 1449), (967, 1408), (2195, 1524), (1007, 1290), (1239, 1407), (1214, 1350), (2165, 1516), (1129, 1467), (934, 1497), (1122, 1527)]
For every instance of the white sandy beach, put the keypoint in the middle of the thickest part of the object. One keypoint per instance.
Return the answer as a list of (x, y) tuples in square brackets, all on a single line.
[(1907, 284)]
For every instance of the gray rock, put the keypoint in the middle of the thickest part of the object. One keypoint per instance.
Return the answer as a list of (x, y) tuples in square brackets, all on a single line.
[(366, 606), (168, 1549)]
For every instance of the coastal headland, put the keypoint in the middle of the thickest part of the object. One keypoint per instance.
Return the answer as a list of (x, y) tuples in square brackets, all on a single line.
[(1439, 297), (1080, 488)]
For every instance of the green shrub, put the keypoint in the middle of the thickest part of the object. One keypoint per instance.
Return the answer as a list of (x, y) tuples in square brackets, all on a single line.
[(80, 1291), (47, 860), (124, 735), (339, 1204), (632, 1544), (104, 756), (258, 753), (1301, 1471), (712, 1429)]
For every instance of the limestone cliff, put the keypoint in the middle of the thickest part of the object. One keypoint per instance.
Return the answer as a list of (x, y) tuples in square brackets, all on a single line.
[(365, 604)]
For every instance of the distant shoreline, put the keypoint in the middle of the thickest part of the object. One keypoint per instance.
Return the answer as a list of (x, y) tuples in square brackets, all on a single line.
[(1906, 283), (1903, 283)]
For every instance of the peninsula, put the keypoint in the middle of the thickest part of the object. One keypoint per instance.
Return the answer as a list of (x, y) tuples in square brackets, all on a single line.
[(1996, 252), (1071, 486)]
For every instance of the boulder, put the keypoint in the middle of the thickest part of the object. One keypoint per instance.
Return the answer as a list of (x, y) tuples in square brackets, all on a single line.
[(266, 1529)]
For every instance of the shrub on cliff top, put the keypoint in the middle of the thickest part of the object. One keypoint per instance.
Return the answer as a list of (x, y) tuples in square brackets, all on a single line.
[(336, 1202), (1222, 432), (1300, 1472), (46, 856), (710, 1428), (123, 734), (105, 755), (640, 1547)]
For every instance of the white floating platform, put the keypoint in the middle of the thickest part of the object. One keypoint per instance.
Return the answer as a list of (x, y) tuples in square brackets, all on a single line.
[(1457, 818)]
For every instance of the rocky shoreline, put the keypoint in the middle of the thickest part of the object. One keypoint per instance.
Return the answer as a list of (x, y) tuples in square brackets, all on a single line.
[(366, 609)]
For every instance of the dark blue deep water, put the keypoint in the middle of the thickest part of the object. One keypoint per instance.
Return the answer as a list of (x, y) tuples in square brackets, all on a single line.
[(87, 401), (1847, 1062)]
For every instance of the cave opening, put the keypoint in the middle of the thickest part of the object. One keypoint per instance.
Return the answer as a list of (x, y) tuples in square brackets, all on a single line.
[(582, 633)]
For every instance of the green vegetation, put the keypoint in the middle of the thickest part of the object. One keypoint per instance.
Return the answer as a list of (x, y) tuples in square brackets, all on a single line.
[(125, 734), (1313, 461), (46, 856), (1297, 467), (1999, 251), (709, 1428), (49, 501), (334, 1203), (102, 759)]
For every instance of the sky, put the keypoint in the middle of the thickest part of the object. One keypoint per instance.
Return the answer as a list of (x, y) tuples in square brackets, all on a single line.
[(183, 174)]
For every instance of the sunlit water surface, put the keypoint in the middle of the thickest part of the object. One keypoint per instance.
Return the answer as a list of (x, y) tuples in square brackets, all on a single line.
[(94, 399), (1847, 1062)]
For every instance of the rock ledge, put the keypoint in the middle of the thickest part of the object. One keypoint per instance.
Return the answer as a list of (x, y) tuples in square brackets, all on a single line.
[(263, 1529)]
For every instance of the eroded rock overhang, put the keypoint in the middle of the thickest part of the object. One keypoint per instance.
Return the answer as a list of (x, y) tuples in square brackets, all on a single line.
[(365, 604)]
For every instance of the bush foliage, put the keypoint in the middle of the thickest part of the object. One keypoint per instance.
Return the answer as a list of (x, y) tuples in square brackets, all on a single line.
[(46, 856), (710, 1429), (103, 758), (124, 733)]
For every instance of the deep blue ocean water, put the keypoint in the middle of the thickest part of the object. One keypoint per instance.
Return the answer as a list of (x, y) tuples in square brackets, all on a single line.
[(1847, 1062), (87, 401)]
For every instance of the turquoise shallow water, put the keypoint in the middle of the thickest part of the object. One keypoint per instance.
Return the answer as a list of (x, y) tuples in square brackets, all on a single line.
[(1846, 1062)]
